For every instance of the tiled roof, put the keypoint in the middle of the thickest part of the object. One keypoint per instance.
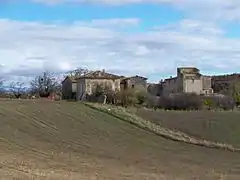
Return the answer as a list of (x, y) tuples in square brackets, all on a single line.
[(144, 78), (100, 75), (73, 79)]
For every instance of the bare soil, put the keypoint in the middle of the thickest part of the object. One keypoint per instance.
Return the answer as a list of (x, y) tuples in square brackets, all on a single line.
[(67, 140), (219, 126)]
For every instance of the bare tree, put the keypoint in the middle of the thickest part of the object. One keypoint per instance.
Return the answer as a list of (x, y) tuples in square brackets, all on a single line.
[(1, 84), (45, 84), (235, 92), (17, 88), (2, 91), (78, 72)]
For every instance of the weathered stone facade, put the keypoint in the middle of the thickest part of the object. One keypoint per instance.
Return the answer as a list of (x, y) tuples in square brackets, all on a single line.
[(69, 88), (155, 89), (91, 84), (134, 82), (87, 84), (188, 80)]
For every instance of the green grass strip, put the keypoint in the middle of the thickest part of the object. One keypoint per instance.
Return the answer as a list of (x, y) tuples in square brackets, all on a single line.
[(122, 114)]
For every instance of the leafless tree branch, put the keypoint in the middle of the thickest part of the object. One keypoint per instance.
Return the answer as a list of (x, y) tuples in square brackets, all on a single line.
[(45, 84), (17, 88)]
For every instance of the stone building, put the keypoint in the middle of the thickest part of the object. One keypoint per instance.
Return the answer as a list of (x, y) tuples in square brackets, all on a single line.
[(69, 88), (188, 80), (155, 89), (133, 82), (87, 84)]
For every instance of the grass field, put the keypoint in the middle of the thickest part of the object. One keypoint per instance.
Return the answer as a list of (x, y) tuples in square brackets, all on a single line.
[(214, 126), (67, 140)]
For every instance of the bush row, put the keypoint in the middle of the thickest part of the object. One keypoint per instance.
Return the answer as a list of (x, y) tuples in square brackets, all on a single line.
[(192, 102), (181, 101)]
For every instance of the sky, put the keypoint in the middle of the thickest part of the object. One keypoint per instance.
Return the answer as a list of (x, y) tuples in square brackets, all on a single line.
[(128, 37)]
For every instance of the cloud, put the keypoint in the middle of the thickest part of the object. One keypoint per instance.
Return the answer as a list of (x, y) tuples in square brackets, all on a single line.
[(189, 26), (114, 22), (211, 9), (29, 48)]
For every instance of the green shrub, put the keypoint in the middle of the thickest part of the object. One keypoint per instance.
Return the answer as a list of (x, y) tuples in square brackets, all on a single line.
[(98, 91), (209, 103), (141, 95), (127, 97), (152, 101), (220, 102)]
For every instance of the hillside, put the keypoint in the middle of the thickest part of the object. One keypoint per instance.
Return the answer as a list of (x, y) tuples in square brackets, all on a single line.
[(214, 126), (59, 140)]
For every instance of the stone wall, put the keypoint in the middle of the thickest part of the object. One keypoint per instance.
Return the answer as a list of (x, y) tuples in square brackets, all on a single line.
[(74, 87), (134, 82), (155, 89), (193, 86), (171, 85), (81, 89), (189, 80), (68, 89), (112, 84), (137, 81), (187, 70), (207, 82), (88, 86)]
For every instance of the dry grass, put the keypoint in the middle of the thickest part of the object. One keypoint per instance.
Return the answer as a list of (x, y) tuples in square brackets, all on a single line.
[(220, 126), (67, 140), (125, 115)]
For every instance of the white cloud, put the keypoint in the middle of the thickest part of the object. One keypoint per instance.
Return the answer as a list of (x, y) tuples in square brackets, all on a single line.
[(114, 22), (28, 49), (189, 26), (212, 9)]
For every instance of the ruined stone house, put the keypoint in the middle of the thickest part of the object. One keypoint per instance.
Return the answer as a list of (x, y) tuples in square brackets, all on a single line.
[(155, 89), (188, 80), (69, 88), (86, 85), (133, 82)]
